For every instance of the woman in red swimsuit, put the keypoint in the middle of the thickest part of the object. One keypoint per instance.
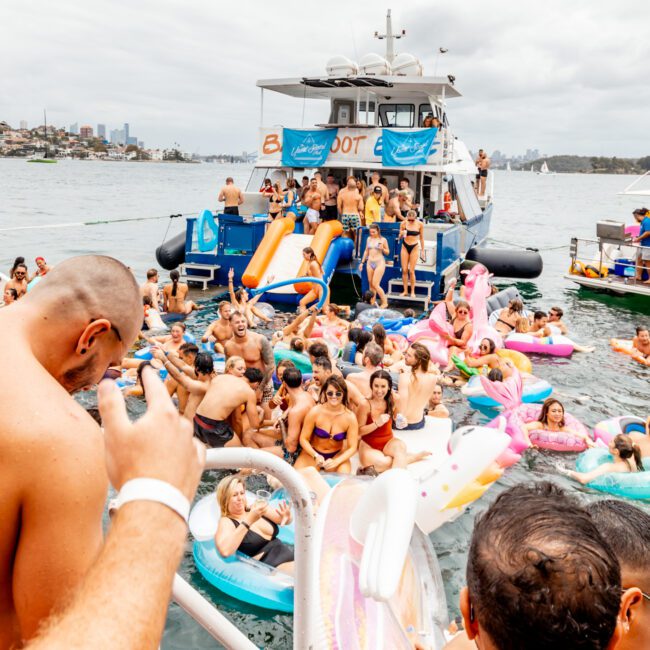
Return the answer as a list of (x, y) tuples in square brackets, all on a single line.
[(378, 447)]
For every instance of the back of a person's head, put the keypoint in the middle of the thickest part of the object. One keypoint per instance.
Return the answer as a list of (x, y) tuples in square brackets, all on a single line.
[(292, 377), (204, 363), (373, 353), (540, 575), (254, 375), (318, 349)]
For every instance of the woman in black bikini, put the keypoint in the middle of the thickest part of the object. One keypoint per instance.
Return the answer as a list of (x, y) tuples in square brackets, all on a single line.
[(330, 432), (411, 232), (251, 530), (275, 202), (507, 319)]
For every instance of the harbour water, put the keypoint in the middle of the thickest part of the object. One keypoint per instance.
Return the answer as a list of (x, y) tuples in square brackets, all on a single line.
[(530, 210)]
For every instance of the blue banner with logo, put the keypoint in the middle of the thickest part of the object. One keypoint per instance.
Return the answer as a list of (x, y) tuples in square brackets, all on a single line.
[(306, 148), (406, 149)]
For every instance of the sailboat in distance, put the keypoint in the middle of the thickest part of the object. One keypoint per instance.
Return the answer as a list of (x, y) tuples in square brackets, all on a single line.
[(545, 170), (47, 158)]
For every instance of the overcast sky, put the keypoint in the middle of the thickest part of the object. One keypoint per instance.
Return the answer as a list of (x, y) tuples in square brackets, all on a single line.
[(560, 76)]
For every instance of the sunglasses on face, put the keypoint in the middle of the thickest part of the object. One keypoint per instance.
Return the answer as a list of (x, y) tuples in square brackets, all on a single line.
[(334, 393), (462, 311), (19, 273)]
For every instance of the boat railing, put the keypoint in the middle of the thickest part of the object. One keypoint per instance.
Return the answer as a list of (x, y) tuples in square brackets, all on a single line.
[(305, 624), (620, 258)]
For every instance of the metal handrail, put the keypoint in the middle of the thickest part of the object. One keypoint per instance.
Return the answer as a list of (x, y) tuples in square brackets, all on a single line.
[(605, 255), (305, 576)]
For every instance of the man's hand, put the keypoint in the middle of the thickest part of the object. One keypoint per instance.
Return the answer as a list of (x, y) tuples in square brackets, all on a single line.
[(159, 445)]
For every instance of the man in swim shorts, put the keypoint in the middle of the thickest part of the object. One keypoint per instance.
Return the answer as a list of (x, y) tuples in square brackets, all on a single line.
[(350, 207), (231, 196), (220, 330), (58, 339), (415, 388), (483, 165), (627, 531), (255, 349), (314, 202), (331, 211)]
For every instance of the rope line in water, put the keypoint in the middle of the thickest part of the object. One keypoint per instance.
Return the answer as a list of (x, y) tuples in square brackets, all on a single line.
[(73, 224), (527, 248)]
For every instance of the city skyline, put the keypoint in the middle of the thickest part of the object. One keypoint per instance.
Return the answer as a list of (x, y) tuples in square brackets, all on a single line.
[(187, 73)]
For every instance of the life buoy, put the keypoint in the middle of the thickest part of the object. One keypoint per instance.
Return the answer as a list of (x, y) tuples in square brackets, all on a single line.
[(446, 202), (206, 217)]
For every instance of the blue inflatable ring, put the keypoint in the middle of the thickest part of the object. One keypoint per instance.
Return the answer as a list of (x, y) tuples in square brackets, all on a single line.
[(632, 485), (206, 217)]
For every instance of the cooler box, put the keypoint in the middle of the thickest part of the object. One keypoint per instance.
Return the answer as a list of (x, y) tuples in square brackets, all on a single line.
[(624, 267)]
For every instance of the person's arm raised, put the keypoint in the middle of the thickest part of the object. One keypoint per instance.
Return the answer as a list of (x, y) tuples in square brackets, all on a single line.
[(123, 600)]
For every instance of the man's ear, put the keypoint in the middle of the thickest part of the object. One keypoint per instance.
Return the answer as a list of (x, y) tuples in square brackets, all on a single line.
[(89, 336), (467, 612), (627, 614)]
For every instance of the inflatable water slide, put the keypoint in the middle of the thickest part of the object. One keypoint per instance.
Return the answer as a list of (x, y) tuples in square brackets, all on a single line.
[(279, 256)]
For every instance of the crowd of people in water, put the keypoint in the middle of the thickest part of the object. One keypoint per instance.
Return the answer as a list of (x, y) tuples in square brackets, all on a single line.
[(281, 390)]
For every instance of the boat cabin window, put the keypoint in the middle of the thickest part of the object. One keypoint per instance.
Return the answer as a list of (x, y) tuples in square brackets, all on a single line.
[(401, 115)]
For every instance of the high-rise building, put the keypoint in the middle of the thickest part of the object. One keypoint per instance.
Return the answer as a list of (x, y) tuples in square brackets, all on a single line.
[(74, 129), (101, 131), (117, 137), (23, 125), (126, 131), (86, 131), (131, 140)]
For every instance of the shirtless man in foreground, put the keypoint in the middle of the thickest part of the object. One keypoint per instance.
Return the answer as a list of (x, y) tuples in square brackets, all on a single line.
[(150, 288), (350, 206), (19, 281), (59, 339), (415, 387), (313, 200), (372, 357), (255, 349), (220, 331), (231, 196)]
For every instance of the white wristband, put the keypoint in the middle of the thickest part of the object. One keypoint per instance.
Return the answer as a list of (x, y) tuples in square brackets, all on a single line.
[(152, 489)]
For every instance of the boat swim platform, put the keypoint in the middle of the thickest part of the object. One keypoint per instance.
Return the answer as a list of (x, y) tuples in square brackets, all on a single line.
[(615, 284)]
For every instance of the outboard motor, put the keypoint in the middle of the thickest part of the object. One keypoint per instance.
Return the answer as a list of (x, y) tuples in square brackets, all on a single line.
[(508, 263)]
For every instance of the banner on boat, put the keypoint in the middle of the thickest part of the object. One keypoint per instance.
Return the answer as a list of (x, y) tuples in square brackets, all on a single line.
[(306, 148), (407, 148), (349, 145)]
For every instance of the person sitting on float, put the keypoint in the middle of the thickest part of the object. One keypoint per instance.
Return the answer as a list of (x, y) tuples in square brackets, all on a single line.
[(378, 447), (487, 356), (551, 418), (555, 323), (507, 319), (329, 436), (251, 530), (461, 324), (626, 458), (240, 302)]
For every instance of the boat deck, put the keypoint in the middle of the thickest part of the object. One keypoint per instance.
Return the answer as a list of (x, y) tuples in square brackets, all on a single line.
[(613, 284)]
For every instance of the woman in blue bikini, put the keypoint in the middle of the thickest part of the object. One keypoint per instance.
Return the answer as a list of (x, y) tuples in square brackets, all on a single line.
[(376, 250), (330, 432)]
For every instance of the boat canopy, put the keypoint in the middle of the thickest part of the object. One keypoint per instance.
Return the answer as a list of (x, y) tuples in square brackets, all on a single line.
[(383, 87)]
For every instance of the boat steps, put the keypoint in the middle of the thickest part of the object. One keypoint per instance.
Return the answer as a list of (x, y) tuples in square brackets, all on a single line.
[(204, 273), (423, 292)]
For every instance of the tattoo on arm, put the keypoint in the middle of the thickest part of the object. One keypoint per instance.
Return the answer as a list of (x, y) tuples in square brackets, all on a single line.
[(267, 358)]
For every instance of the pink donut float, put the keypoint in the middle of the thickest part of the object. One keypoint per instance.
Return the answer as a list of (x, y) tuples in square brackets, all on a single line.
[(557, 346)]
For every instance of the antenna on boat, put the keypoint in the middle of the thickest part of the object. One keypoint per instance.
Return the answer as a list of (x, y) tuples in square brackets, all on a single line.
[(389, 36)]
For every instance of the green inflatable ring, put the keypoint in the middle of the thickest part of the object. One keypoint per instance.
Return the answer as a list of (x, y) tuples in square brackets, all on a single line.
[(463, 367), (300, 360)]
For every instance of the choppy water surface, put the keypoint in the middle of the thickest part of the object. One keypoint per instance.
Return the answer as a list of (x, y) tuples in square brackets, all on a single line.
[(530, 210)]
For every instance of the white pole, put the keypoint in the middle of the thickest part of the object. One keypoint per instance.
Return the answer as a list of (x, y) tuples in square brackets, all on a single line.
[(306, 577), (390, 53), (209, 617)]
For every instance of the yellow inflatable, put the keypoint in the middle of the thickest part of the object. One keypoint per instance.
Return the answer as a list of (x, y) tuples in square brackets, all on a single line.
[(519, 360)]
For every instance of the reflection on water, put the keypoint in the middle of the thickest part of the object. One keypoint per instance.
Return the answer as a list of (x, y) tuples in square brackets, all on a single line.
[(531, 210)]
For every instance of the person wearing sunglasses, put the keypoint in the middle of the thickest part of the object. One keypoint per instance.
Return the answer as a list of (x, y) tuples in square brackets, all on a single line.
[(330, 432), (487, 356), (627, 530), (18, 280)]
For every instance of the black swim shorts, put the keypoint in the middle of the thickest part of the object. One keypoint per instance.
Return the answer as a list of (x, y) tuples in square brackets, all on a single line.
[(214, 433)]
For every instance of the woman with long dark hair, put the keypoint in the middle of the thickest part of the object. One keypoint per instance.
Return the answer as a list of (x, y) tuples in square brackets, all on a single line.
[(378, 447), (551, 418), (174, 295)]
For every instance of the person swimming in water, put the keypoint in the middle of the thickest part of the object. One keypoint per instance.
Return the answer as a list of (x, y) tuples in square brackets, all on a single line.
[(552, 419)]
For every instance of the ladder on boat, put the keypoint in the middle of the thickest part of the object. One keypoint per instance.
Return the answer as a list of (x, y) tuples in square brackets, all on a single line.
[(423, 292), (204, 273)]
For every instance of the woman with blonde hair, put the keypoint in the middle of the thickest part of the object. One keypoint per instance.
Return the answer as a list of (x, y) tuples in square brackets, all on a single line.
[(235, 366), (251, 530)]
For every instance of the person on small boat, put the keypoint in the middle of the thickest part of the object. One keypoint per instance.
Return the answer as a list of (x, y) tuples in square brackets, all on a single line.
[(240, 301), (174, 295), (436, 408), (314, 270), (551, 418), (626, 458), (220, 330), (507, 318), (251, 530), (231, 196), (374, 257), (642, 215), (411, 233), (329, 436), (378, 447)]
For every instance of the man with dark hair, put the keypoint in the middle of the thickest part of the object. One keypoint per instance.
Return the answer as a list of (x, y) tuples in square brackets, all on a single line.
[(627, 530), (19, 280), (322, 368), (231, 196), (415, 388), (555, 321), (219, 331), (318, 349), (372, 356), (184, 361), (539, 325), (150, 288), (541, 576)]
